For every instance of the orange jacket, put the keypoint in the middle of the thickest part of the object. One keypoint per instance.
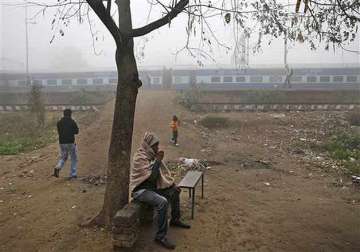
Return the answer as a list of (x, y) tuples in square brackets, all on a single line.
[(174, 125)]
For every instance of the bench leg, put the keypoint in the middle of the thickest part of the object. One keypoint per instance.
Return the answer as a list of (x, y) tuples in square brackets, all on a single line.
[(202, 186), (193, 203), (189, 193)]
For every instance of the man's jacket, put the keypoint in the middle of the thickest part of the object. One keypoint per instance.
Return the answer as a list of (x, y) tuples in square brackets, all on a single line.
[(67, 129)]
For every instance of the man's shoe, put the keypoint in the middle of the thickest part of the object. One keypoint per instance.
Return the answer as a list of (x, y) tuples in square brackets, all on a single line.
[(72, 177), (165, 243), (56, 172), (179, 223)]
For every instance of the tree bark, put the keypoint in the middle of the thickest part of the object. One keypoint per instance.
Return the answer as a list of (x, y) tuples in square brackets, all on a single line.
[(118, 170), (117, 189)]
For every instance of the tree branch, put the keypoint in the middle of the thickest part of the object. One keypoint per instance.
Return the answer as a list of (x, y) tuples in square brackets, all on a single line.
[(178, 8), (343, 9), (105, 17), (108, 7)]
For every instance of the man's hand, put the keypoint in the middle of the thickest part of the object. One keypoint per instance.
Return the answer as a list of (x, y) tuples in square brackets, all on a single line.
[(178, 189), (159, 155)]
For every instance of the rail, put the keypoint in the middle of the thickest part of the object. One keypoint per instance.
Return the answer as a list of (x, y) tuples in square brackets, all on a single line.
[(265, 107), (15, 108)]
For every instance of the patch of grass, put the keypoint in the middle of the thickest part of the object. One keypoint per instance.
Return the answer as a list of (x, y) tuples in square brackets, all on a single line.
[(21, 133), (346, 148), (353, 167), (12, 145)]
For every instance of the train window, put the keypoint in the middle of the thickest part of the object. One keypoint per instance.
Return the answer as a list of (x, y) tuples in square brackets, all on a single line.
[(275, 79), (215, 79), (37, 82), (256, 79), (98, 81), (51, 82), (156, 80), (81, 81), (296, 78), (228, 79), (66, 82), (311, 79), (178, 79), (240, 79), (21, 83), (113, 81), (351, 78), (324, 78), (338, 78)]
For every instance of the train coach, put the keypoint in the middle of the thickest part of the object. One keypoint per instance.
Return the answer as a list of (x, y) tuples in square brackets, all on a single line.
[(269, 78), (217, 79)]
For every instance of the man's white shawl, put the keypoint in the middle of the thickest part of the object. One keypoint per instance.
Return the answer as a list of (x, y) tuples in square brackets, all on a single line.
[(142, 165)]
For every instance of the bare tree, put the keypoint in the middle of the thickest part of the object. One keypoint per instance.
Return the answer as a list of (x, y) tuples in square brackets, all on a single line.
[(36, 104), (332, 21)]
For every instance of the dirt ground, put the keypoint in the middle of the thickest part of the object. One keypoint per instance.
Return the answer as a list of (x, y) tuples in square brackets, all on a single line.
[(262, 197)]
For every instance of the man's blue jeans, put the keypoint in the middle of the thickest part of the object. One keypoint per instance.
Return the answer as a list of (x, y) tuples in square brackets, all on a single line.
[(65, 151), (160, 199)]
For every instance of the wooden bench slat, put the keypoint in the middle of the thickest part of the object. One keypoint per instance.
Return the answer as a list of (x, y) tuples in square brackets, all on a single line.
[(190, 179)]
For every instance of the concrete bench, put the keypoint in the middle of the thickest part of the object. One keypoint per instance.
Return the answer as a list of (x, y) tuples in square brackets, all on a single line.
[(190, 182), (126, 223)]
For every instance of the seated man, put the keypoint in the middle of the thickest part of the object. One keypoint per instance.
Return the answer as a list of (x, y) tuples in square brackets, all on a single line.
[(151, 183)]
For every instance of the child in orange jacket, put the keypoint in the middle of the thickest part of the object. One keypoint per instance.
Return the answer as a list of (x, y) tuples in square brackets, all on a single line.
[(174, 127)]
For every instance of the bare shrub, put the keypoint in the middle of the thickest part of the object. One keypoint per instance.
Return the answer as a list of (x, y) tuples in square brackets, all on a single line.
[(354, 117), (37, 105), (189, 97)]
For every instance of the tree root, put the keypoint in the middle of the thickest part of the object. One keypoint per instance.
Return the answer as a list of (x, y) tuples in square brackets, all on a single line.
[(97, 221)]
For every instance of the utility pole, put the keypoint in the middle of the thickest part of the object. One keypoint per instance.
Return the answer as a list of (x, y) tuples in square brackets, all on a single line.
[(285, 51), (288, 71), (27, 44), (247, 49)]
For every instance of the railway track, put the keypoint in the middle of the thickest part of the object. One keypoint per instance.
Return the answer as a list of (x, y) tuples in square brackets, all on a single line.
[(229, 107), (14, 108)]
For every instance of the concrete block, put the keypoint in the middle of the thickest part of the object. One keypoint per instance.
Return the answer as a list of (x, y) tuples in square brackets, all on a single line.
[(127, 215)]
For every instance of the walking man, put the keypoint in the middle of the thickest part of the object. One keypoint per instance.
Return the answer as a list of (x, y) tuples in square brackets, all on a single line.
[(67, 129)]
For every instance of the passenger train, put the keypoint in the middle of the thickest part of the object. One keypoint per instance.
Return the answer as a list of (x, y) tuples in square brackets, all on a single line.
[(217, 79)]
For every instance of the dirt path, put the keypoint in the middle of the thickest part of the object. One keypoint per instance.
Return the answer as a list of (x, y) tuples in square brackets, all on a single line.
[(284, 206)]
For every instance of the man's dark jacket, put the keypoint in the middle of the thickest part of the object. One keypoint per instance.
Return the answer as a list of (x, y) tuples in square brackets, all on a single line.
[(67, 128)]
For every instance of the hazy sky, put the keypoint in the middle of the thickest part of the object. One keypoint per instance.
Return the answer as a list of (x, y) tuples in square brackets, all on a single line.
[(74, 51)]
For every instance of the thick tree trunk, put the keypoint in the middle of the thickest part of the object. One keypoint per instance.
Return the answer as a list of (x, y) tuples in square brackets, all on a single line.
[(117, 189)]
